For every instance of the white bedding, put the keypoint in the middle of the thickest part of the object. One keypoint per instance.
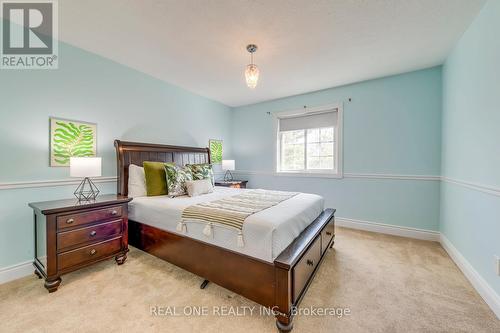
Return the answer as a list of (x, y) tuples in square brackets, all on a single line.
[(266, 233)]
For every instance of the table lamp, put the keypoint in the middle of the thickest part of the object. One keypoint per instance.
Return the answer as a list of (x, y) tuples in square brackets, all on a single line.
[(228, 165), (85, 167)]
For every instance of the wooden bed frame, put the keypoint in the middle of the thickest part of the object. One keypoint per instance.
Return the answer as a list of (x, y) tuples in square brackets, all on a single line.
[(280, 285)]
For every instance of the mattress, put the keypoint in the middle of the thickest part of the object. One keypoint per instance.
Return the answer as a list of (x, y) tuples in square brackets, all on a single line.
[(266, 233)]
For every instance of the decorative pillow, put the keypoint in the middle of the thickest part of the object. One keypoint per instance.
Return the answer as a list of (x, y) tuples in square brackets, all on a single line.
[(156, 181), (136, 181), (176, 179), (202, 171), (198, 187)]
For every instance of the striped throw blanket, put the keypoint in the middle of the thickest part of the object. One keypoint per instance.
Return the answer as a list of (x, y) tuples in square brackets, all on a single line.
[(231, 212)]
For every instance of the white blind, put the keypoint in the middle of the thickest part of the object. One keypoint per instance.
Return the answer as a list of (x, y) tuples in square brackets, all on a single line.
[(306, 121)]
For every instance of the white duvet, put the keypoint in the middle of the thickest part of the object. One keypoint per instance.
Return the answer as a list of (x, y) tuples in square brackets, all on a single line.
[(266, 233)]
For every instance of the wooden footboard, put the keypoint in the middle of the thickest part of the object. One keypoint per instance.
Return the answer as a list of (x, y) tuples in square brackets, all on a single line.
[(279, 286), (247, 276), (296, 266)]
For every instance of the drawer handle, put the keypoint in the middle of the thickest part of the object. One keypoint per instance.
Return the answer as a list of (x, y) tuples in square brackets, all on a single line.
[(69, 221), (114, 212), (328, 233), (92, 252), (93, 233), (310, 262)]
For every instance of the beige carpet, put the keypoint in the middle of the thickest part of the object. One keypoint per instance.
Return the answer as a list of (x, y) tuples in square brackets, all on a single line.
[(389, 284)]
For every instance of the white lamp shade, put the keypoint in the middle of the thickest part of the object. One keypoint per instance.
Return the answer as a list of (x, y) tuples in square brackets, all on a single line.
[(85, 166), (228, 165)]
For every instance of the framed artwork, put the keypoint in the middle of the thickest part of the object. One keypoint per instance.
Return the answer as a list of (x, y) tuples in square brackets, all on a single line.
[(71, 138), (215, 151)]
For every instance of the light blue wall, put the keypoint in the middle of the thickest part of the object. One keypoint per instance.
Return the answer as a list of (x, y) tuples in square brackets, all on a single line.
[(392, 126), (470, 219), (124, 103)]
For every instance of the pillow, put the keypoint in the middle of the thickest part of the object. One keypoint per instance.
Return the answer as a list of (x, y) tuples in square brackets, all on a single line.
[(156, 181), (202, 171), (198, 187), (136, 181), (176, 179)]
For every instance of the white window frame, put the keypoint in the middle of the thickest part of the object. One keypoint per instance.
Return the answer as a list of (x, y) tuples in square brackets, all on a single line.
[(338, 135)]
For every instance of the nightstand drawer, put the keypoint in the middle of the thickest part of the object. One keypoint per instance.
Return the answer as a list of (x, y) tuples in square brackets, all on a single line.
[(94, 233), (68, 221), (88, 253)]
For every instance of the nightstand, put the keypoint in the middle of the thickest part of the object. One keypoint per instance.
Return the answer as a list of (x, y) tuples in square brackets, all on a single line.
[(70, 235), (232, 183)]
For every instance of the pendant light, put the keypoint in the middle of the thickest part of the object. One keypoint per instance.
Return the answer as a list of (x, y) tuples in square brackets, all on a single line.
[(252, 71)]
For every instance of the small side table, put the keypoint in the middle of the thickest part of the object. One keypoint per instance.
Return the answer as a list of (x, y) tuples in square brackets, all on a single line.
[(232, 183)]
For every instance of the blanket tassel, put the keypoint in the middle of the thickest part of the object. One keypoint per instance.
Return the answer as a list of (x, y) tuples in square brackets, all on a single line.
[(241, 243), (207, 231), (181, 227)]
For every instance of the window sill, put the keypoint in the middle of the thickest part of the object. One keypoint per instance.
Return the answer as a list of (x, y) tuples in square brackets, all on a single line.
[(309, 174)]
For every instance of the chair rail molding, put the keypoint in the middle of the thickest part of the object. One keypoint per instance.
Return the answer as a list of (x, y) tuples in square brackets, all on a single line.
[(61, 182), (474, 186), (345, 175), (471, 185), (51, 183)]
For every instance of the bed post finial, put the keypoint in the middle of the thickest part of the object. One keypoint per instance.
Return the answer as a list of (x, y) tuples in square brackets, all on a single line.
[(119, 164)]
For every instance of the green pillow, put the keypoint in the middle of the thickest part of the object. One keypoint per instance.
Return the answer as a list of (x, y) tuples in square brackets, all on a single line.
[(156, 181), (176, 179), (202, 171)]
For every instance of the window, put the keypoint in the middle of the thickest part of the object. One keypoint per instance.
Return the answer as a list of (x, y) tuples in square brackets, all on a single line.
[(308, 142), (320, 148)]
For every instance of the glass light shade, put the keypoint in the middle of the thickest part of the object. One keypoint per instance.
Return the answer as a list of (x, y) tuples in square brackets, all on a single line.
[(85, 166), (228, 165), (252, 75)]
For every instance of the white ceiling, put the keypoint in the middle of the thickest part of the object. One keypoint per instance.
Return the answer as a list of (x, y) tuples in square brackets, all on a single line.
[(304, 45)]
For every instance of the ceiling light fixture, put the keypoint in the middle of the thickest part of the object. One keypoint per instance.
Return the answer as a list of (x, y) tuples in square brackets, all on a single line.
[(252, 71)]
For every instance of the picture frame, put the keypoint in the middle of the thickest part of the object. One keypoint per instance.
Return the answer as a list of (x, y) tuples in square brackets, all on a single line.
[(71, 138), (216, 150)]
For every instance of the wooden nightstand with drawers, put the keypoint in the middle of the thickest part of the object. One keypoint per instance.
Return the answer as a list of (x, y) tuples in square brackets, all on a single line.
[(70, 235)]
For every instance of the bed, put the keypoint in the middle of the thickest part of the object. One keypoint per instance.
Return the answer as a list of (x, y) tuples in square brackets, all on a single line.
[(284, 246)]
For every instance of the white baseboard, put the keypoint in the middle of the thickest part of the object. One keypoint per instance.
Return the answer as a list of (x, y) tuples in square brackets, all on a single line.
[(483, 288), (16, 271), (488, 294), (388, 229)]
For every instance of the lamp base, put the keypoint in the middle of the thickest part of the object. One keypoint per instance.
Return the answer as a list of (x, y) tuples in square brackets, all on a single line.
[(86, 191), (228, 176)]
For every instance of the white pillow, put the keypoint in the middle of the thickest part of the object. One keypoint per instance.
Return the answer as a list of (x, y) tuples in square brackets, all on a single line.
[(198, 187), (136, 181)]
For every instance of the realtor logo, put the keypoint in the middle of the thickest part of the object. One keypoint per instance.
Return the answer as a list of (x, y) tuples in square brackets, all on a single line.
[(29, 35)]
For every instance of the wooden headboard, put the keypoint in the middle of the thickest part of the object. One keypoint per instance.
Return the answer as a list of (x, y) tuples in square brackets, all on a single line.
[(136, 152)]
